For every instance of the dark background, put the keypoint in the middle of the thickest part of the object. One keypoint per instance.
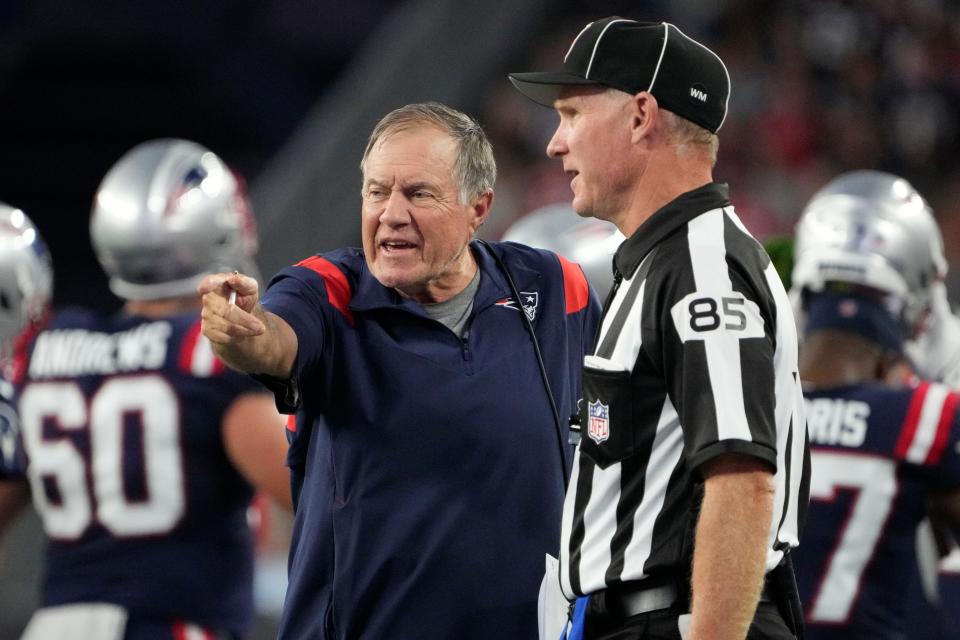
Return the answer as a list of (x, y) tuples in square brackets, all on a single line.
[(82, 81)]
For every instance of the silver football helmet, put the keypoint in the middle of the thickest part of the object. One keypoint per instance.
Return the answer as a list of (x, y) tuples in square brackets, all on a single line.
[(26, 274), (168, 213), (871, 229), (587, 241)]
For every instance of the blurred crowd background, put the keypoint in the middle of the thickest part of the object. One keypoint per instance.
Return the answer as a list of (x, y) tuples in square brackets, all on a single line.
[(818, 88), (286, 91)]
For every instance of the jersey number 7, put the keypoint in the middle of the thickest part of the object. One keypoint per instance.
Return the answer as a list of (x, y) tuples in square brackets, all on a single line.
[(874, 483)]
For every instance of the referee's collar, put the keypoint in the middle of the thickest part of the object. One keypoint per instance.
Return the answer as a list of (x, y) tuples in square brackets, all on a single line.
[(673, 215)]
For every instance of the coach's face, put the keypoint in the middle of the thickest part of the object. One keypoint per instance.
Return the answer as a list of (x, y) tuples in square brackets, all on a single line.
[(415, 229), (593, 141)]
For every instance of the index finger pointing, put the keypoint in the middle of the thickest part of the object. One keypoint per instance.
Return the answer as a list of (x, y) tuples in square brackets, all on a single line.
[(215, 283)]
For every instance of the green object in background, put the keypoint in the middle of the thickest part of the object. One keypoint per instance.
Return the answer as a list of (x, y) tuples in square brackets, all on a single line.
[(780, 250)]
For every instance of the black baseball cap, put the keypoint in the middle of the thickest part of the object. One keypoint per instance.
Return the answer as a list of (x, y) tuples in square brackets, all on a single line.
[(686, 77)]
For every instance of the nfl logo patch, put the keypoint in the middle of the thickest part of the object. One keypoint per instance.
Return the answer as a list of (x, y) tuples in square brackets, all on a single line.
[(598, 425)]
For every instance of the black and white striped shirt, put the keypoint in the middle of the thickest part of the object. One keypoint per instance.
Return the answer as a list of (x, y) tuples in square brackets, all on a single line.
[(696, 357)]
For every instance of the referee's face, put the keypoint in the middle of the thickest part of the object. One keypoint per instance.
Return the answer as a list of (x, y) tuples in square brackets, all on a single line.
[(593, 141), (415, 229)]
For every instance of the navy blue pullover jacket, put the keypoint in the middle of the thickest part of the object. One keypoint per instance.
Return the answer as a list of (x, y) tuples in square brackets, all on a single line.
[(427, 467)]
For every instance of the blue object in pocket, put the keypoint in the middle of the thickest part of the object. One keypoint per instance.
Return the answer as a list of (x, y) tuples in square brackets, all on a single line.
[(576, 626)]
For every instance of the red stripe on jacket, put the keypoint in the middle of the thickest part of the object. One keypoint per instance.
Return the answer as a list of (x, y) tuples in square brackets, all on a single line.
[(338, 289), (575, 288)]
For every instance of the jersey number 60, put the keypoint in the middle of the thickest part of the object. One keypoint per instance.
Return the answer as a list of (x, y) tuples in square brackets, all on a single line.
[(147, 401)]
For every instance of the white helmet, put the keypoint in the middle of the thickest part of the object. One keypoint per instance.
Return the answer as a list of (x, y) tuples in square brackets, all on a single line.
[(587, 241), (168, 213), (871, 229), (26, 274)]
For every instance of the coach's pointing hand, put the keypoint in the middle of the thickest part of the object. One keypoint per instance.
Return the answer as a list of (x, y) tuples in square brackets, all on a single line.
[(242, 333), (229, 307)]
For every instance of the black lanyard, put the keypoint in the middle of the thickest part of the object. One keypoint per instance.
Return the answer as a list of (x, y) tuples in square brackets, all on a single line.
[(536, 350)]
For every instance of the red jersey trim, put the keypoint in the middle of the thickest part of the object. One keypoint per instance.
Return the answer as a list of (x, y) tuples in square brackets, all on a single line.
[(188, 347), (190, 359), (943, 428), (911, 422), (187, 631)]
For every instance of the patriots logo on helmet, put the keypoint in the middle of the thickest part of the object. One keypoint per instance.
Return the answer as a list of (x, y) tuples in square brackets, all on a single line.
[(193, 178), (598, 421), (530, 299)]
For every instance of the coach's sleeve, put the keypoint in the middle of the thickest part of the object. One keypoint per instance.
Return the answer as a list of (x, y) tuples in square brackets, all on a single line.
[(717, 342), (300, 297)]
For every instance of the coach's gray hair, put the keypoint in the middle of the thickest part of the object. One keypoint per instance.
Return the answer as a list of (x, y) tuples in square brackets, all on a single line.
[(474, 169)]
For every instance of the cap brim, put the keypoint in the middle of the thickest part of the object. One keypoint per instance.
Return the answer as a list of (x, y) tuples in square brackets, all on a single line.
[(544, 87)]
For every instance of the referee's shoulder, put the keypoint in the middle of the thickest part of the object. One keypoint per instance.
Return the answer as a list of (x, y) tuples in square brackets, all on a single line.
[(692, 251), (670, 258), (735, 245)]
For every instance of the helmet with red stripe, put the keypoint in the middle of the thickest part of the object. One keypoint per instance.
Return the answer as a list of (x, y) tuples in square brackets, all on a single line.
[(168, 213)]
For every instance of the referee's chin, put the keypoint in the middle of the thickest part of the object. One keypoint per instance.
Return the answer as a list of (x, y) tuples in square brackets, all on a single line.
[(583, 213), (581, 208)]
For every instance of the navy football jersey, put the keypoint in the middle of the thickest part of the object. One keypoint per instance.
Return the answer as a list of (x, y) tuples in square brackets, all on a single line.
[(876, 454), (949, 583), (933, 604), (121, 425)]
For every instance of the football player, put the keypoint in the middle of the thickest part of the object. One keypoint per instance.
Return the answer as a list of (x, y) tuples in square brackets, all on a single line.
[(884, 452), (142, 449), (26, 281)]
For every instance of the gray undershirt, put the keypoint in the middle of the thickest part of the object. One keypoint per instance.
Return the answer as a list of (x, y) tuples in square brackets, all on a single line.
[(455, 312)]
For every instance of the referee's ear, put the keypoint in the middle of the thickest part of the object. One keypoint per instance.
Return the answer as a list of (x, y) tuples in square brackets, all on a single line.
[(645, 113)]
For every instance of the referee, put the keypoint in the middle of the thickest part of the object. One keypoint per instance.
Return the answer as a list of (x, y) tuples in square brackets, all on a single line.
[(690, 483)]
